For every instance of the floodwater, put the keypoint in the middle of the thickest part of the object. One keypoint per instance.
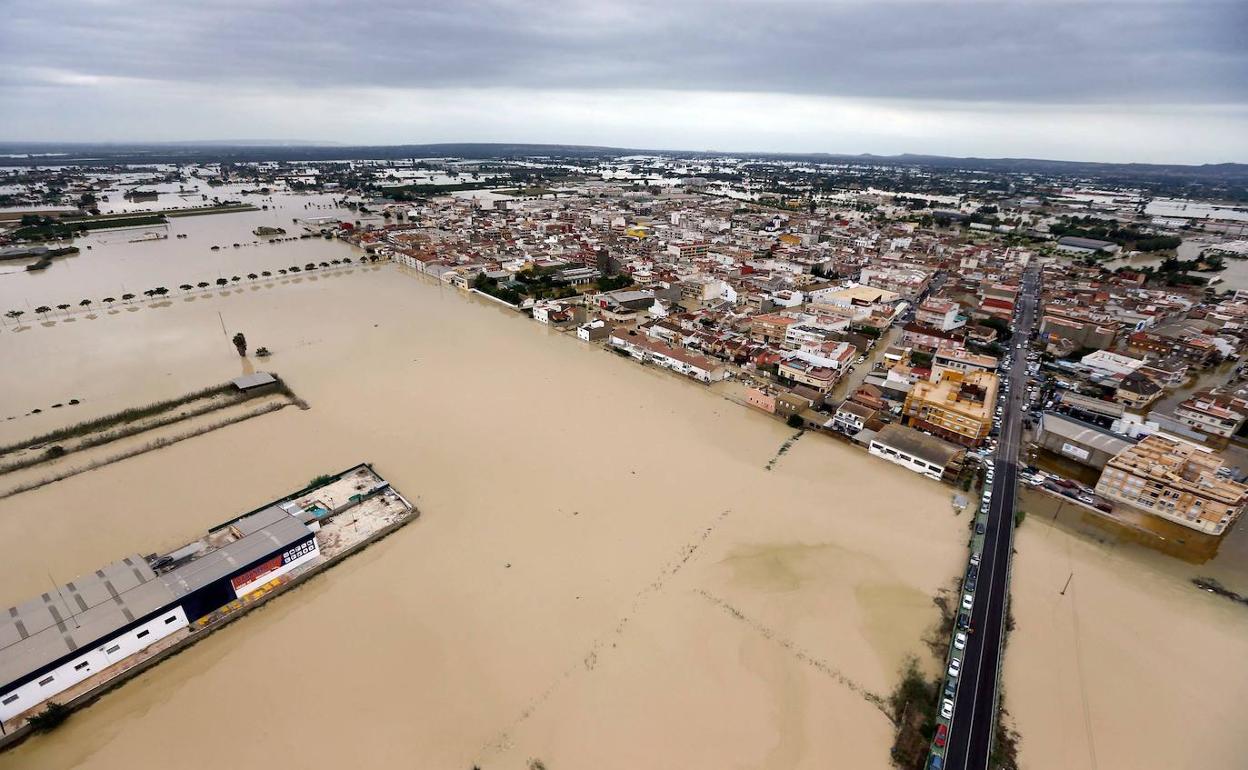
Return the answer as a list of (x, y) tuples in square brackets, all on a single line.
[(109, 264), (604, 574), (1131, 666)]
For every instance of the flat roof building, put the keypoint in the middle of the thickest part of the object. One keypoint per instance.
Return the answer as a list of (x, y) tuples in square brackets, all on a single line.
[(957, 406), (917, 451), (1176, 480)]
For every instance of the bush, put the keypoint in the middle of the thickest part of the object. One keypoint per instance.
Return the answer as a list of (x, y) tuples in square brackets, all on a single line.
[(795, 421), (53, 715)]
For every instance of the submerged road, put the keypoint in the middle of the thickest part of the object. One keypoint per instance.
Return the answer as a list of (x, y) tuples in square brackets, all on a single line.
[(975, 705)]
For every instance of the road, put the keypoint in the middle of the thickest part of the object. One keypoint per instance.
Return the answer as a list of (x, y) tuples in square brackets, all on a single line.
[(975, 705)]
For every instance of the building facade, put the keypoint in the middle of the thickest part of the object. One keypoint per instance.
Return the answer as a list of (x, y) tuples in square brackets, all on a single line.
[(1176, 480)]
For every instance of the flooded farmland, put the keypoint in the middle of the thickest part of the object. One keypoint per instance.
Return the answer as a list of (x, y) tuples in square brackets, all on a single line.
[(603, 561)]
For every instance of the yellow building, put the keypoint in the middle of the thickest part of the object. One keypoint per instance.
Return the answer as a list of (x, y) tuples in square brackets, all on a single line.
[(1175, 480), (956, 406)]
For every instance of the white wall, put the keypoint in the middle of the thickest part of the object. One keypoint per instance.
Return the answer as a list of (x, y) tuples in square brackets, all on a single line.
[(905, 461), (96, 659)]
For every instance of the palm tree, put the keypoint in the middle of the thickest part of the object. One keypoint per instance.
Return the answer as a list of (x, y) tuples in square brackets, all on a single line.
[(85, 303), (203, 284), (222, 281), (149, 293), (186, 287), (160, 291), (252, 276), (109, 300), (281, 271), (43, 310), (127, 297), (63, 307), (294, 268), (15, 314), (266, 273), (324, 264)]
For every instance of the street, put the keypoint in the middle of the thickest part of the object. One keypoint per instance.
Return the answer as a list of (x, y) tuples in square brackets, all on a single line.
[(975, 704)]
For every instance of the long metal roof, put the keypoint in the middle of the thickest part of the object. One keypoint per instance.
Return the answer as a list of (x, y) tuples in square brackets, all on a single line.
[(93, 608)]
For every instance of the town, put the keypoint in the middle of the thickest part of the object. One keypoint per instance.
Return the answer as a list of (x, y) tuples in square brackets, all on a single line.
[(1034, 342)]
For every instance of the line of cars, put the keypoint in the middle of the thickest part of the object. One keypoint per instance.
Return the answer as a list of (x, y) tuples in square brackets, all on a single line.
[(963, 624)]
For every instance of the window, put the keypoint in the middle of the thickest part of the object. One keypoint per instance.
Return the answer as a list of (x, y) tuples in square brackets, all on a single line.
[(82, 665), (113, 649), (142, 634), (170, 619), (47, 680), (9, 700)]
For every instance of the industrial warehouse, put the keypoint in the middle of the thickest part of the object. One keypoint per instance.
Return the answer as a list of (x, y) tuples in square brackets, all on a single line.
[(62, 638)]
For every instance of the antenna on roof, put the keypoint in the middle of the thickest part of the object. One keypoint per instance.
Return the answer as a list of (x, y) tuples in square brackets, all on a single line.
[(72, 615)]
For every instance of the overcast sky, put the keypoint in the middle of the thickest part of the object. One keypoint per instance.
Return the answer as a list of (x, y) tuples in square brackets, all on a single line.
[(1114, 80)]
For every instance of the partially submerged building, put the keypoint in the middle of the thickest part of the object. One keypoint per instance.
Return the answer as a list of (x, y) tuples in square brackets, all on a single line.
[(917, 451), (1176, 480), (59, 638)]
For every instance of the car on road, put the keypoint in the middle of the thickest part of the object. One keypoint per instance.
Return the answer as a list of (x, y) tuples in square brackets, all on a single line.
[(946, 712), (968, 601), (1086, 499), (959, 640), (955, 668)]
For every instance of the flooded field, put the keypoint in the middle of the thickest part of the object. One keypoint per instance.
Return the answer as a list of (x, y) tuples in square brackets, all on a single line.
[(1132, 666), (109, 264), (604, 573)]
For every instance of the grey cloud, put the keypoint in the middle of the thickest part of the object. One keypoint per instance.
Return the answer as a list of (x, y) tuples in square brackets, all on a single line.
[(1108, 51)]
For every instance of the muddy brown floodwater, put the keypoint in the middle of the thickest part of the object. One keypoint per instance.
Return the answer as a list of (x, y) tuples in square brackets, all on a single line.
[(1132, 666), (604, 574)]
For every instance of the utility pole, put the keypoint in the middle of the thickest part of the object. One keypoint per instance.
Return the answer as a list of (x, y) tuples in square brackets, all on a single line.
[(1072, 574)]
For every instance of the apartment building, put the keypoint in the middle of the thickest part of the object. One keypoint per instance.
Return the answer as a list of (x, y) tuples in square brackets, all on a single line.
[(1176, 480), (939, 313), (957, 406), (1207, 416)]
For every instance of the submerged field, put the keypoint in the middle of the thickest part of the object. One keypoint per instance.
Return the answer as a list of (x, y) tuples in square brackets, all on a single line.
[(605, 574)]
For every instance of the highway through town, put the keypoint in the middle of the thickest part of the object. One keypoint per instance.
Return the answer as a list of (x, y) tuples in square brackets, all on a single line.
[(975, 705)]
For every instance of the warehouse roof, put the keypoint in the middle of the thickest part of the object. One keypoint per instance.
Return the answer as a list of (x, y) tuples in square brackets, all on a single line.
[(917, 444), (95, 607), (1082, 433)]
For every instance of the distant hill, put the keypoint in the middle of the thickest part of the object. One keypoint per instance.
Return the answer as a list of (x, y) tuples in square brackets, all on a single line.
[(248, 151)]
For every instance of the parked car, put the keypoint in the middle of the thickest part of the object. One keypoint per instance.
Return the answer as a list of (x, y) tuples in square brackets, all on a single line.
[(937, 762), (964, 620), (968, 601), (951, 687), (955, 668), (980, 528), (959, 640)]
